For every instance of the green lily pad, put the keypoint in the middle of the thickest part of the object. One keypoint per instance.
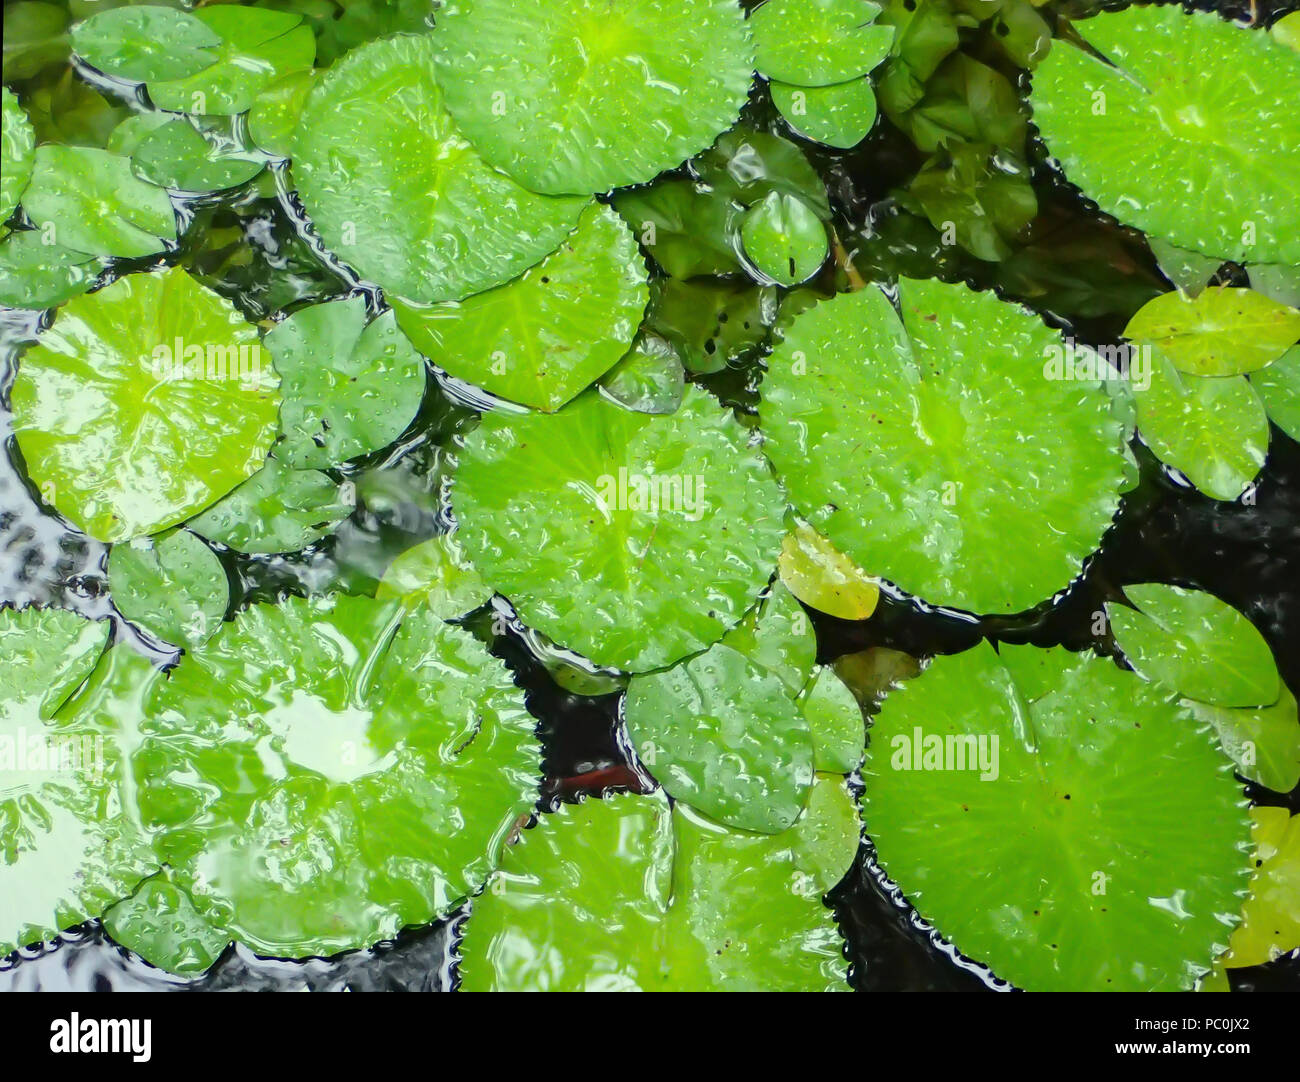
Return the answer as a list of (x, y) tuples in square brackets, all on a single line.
[(710, 323), (1220, 332), (784, 240), (90, 201), (68, 846), (35, 38), (686, 226), (650, 379), (408, 202), (633, 539), (178, 155), (724, 735), (1211, 428), (963, 101), (1187, 132), (1276, 281), (1190, 272), (159, 922), (1191, 643), (1270, 924), (349, 386), (435, 573), (938, 487), (1264, 741), (746, 165), (818, 42), (821, 576), (173, 586), (274, 116), (17, 153), (777, 636), (835, 720), (321, 777), (550, 333), (1287, 30), (34, 274), (1278, 387), (278, 509), (627, 893), (130, 444), (839, 116), (1062, 860), (145, 42), (586, 96)]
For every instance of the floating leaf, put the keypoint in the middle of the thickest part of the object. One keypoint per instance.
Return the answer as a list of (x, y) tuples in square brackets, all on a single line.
[(818, 42), (1015, 803), (627, 893), (159, 922), (550, 333), (839, 116), (114, 406), (1287, 30), (273, 118), (835, 720), (1190, 272), (746, 166), (685, 225), (349, 386), (17, 153), (90, 201), (582, 97), (1264, 741), (784, 239), (1276, 281), (144, 42), (172, 586), (278, 509), (711, 324), (777, 637), (379, 770), (1278, 387), (650, 379), (34, 274), (177, 155), (435, 573), (1270, 919), (1211, 428), (408, 202), (821, 576), (891, 439), (1184, 130), (1191, 643), (1220, 332), (633, 539)]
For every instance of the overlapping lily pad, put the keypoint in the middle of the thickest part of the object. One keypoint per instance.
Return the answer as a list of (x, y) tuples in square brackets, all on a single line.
[(173, 586), (550, 333), (631, 538), (176, 154), (650, 379), (1057, 855), (627, 893), (821, 576), (435, 573), (18, 143), (839, 116), (34, 274), (890, 438), (818, 42), (131, 409), (1182, 127), (586, 96), (408, 202), (1270, 923), (784, 240), (1278, 387)]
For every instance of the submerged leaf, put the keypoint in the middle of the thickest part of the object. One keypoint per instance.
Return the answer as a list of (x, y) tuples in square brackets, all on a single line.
[(435, 573), (784, 240)]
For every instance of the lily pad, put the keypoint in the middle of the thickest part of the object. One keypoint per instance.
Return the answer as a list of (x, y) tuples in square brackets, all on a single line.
[(1278, 387), (650, 379), (633, 539), (685, 225), (777, 636), (746, 165), (835, 720), (784, 240), (178, 155), (142, 42), (90, 201), (1270, 924), (159, 922), (173, 586), (321, 777), (17, 152), (839, 116), (1220, 332), (1264, 741), (408, 202), (586, 96), (350, 386), (435, 573), (1184, 130), (274, 116), (627, 893), (821, 576), (1062, 860), (111, 408), (550, 333), (34, 274), (818, 42), (278, 509), (1191, 643), (711, 323), (937, 487)]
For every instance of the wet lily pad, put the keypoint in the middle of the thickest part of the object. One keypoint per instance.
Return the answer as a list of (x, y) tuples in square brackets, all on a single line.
[(159, 922), (633, 539), (1062, 860), (1189, 107), (550, 333), (777, 636), (582, 97), (746, 165), (625, 893), (712, 323), (380, 769), (350, 386), (436, 573), (177, 155), (784, 240), (274, 116), (34, 274), (408, 202), (17, 152), (937, 486), (172, 586), (686, 226), (1264, 741), (835, 721), (104, 413), (1278, 387), (818, 42), (1270, 923), (1190, 642), (1220, 332), (145, 42), (821, 576), (650, 379), (839, 116)]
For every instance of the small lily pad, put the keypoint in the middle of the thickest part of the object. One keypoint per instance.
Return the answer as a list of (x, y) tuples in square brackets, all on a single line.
[(17, 153), (1264, 741), (685, 225), (159, 922), (172, 586), (650, 379), (784, 240), (586, 96), (777, 636), (132, 405), (142, 42), (178, 155), (839, 116), (818, 42), (835, 721), (435, 573), (1278, 387), (274, 116), (1270, 924), (34, 274), (549, 334), (821, 576)]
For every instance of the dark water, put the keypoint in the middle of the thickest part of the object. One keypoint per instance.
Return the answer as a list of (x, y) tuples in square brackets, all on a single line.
[(258, 251)]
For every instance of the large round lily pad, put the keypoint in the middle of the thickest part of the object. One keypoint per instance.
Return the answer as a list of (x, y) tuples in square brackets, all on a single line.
[(395, 190), (585, 96), (632, 538), (919, 446), (323, 777), (133, 410), (1058, 819), (1186, 129)]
